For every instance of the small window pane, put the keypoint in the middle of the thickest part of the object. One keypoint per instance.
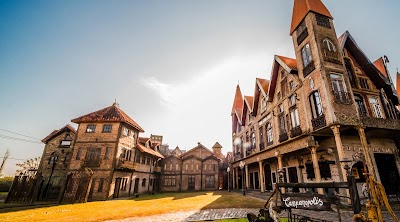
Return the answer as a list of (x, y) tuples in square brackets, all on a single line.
[(91, 128)]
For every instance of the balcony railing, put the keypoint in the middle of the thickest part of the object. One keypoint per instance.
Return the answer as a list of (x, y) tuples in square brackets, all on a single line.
[(318, 122), (308, 69), (303, 35), (295, 131), (126, 165), (342, 97), (283, 137), (331, 56)]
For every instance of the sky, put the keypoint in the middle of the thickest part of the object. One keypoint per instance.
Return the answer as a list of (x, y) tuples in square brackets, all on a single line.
[(172, 66)]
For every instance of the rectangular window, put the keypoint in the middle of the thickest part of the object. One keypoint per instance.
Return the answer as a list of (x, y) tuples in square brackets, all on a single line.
[(177, 166), (144, 182), (92, 157), (107, 128), (291, 85), (269, 134), (375, 107), (284, 87), (294, 117), (137, 159), (169, 181), (364, 83), (107, 154), (282, 124), (263, 104), (91, 128), (210, 182), (316, 105), (125, 131), (143, 160), (101, 184), (79, 154), (360, 105), (323, 21), (339, 88), (306, 55)]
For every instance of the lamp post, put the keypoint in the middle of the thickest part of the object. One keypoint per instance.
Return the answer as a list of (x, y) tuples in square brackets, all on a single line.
[(241, 165), (228, 170)]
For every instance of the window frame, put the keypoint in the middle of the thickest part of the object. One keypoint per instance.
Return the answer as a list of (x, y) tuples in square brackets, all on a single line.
[(91, 128), (107, 128), (306, 55)]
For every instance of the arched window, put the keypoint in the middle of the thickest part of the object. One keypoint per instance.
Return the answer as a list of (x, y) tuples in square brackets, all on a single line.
[(315, 104), (328, 45), (144, 182)]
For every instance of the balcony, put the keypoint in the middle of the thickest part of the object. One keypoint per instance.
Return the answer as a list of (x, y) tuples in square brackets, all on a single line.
[(342, 97), (308, 69), (295, 131), (331, 56), (283, 137), (373, 122), (303, 35), (318, 122), (126, 165)]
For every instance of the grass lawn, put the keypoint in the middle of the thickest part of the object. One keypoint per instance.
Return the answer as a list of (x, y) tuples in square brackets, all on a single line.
[(143, 206)]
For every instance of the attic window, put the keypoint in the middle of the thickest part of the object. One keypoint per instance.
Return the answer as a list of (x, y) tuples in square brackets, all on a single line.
[(323, 21), (91, 128)]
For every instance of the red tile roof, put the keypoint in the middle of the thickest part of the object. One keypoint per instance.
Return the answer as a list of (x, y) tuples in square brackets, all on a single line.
[(109, 114), (57, 132), (264, 85), (249, 100), (238, 101), (144, 149), (291, 63), (380, 65), (398, 83), (301, 9)]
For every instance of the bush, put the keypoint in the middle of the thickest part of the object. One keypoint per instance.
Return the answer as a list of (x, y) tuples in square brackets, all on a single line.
[(5, 184)]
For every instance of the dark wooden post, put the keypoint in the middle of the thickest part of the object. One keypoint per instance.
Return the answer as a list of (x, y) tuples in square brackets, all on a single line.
[(355, 199)]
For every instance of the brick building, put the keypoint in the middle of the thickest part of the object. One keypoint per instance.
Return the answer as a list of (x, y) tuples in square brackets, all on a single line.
[(195, 169), (322, 107)]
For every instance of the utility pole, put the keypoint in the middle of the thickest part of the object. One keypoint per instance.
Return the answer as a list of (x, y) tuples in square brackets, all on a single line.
[(5, 157)]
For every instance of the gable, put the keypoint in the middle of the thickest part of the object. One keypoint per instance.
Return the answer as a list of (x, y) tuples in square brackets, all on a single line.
[(199, 151)]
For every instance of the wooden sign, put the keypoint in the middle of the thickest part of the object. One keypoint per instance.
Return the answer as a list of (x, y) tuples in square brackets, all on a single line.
[(307, 201)]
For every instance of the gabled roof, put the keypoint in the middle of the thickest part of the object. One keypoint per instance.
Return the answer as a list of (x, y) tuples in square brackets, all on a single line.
[(288, 64), (302, 7), (143, 139), (370, 69), (217, 145), (177, 151), (66, 128), (380, 65), (262, 86), (199, 146), (109, 114), (238, 101), (249, 102), (144, 149)]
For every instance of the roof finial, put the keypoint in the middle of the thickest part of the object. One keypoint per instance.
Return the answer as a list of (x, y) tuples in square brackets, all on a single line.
[(115, 103)]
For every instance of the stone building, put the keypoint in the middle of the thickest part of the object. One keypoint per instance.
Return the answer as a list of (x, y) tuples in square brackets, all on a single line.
[(54, 162), (318, 111), (108, 143), (195, 169)]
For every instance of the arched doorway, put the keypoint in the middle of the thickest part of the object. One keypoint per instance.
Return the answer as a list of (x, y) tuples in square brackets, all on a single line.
[(267, 177)]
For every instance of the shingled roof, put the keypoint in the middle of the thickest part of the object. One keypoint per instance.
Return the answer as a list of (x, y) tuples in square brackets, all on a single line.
[(380, 65), (109, 114), (302, 7), (238, 101), (55, 133)]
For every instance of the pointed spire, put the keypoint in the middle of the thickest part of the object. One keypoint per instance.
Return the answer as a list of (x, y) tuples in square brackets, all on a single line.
[(238, 102), (302, 7), (398, 82)]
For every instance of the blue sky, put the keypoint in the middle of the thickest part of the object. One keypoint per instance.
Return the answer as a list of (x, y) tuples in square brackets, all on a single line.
[(171, 65)]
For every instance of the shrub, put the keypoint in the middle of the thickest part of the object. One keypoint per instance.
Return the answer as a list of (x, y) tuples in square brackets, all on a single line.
[(5, 184)]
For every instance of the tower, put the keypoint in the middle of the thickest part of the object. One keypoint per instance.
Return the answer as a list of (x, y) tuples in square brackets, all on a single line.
[(320, 64)]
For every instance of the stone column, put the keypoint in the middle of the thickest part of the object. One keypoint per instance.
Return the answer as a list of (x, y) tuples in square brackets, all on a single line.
[(233, 178), (366, 153), (280, 168), (246, 168), (237, 177), (317, 172), (341, 155), (261, 177)]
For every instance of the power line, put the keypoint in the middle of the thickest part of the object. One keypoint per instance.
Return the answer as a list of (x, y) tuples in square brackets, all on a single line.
[(19, 134), (13, 158), (19, 139)]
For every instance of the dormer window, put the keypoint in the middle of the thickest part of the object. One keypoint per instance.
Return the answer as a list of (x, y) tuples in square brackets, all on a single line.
[(66, 142)]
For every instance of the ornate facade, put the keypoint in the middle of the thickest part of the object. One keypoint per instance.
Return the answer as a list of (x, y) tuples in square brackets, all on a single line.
[(318, 111)]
